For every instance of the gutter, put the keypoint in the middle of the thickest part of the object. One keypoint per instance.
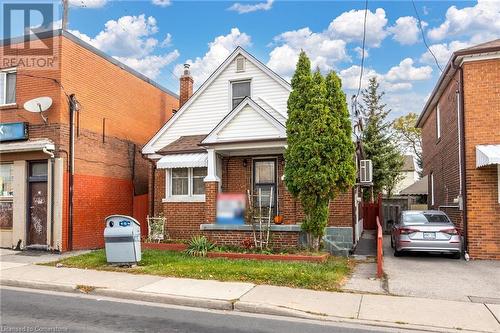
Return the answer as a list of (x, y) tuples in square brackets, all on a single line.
[(462, 166)]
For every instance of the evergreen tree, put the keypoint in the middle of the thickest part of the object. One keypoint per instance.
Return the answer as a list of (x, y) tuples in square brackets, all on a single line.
[(318, 153), (377, 140)]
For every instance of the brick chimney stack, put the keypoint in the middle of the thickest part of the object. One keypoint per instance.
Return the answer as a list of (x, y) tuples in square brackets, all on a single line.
[(186, 86)]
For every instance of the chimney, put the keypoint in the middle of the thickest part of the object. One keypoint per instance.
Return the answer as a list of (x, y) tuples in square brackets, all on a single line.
[(186, 86)]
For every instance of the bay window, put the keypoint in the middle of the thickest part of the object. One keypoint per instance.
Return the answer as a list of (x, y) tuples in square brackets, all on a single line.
[(7, 87), (186, 183)]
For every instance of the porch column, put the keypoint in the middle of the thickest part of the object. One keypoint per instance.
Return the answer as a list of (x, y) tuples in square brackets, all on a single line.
[(211, 187)]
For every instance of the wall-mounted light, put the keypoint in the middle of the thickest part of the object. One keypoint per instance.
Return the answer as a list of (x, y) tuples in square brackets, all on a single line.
[(245, 163)]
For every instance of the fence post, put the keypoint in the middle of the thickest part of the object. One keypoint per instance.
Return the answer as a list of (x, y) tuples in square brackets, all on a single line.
[(380, 250)]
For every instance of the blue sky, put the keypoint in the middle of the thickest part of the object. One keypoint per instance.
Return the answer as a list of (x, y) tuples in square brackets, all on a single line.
[(157, 36)]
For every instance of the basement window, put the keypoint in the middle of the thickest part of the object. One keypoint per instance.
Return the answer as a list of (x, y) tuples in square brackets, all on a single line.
[(7, 86)]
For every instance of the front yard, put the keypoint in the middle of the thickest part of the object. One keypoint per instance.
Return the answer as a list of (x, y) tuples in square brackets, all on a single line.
[(318, 276)]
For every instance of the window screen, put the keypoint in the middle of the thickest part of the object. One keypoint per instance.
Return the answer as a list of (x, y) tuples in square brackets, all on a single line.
[(240, 91)]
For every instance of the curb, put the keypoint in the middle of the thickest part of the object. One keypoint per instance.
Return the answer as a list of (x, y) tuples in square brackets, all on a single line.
[(213, 304)]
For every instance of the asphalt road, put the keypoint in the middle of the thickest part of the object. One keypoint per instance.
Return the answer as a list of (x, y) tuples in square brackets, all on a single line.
[(25, 310)]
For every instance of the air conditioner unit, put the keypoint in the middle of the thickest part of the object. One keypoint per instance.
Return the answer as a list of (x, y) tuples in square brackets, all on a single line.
[(365, 171)]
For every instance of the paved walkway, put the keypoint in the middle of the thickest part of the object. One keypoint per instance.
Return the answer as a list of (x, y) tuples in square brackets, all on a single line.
[(407, 312)]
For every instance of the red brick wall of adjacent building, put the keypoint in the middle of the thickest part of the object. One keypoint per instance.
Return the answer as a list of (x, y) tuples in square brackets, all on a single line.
[(440, 156), (184, 218), (482, 119), (119, 113)]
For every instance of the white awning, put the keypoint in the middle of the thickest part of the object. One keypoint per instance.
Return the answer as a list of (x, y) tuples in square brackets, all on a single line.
[(487, 155), (25, 146), (194, 160)]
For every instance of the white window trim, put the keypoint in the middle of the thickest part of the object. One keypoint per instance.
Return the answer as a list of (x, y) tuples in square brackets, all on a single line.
[(231, 89), (438, 122), (3, 76), (190, 197), (432, 189)]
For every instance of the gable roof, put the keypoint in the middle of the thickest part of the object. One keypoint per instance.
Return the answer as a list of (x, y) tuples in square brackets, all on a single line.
[(212, 137), (148, 149)]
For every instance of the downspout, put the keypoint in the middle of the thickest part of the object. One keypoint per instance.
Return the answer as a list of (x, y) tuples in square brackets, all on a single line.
[(52, 177), (71, 162)]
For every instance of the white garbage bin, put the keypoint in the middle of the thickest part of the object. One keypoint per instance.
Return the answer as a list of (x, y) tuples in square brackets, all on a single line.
[(122, 239)]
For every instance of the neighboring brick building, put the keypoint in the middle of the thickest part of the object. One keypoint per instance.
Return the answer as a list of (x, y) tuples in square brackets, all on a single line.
[(461, 146), (118, 110), (225, 140)]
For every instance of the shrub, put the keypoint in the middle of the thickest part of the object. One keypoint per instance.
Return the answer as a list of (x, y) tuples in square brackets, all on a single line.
[(199, 246)]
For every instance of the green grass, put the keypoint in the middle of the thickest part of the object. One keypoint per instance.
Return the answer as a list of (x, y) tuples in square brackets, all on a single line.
[(318, 276)]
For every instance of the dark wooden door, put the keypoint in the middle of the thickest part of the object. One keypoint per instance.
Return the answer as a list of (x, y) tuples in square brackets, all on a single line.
[(37, 209)]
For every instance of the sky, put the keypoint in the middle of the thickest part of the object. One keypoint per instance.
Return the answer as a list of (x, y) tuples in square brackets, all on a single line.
[(157, 36)]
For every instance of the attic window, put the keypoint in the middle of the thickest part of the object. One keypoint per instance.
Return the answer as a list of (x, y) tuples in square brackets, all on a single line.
[(240, 90), (240, 64)]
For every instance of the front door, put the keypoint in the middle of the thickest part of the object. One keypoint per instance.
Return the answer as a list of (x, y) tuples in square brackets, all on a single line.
[(264, 179), (37, 204)]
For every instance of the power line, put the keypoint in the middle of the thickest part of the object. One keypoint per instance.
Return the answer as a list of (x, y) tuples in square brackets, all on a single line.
[(362, 58), (423, 35)]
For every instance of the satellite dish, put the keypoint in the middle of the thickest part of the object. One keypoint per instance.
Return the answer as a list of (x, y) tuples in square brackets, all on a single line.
[(39, 104)]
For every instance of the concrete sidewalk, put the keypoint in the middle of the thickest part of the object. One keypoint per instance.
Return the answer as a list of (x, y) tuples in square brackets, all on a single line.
[(404, 312)]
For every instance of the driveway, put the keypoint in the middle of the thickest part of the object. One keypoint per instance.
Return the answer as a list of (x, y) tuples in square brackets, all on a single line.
[(433, 276)]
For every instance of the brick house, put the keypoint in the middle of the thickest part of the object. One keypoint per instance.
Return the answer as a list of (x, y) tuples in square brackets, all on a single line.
[(115, 111), (461, 146), (229, 139)]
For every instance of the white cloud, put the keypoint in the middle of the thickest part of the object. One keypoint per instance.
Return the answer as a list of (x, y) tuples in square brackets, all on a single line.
[(442, 52), (481, 22), (150, 66), (129, 36), (359, 52), (349, 26), (87, 3), (218, 50), (162, 3), (130, 40), (247, 8), (320, 48), (405, 71), (398, 77), (406, 31)]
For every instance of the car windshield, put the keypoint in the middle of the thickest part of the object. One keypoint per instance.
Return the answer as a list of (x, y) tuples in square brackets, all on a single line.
[(425, 218)]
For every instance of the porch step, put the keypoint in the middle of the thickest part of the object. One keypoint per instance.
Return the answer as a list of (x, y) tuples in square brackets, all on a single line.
[(335, 247)]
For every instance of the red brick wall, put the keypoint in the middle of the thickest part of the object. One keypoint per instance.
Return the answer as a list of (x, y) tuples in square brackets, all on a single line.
[(184, 219), (278, 239), (440, 156), (94, 199), (482, 118), (133, 110)]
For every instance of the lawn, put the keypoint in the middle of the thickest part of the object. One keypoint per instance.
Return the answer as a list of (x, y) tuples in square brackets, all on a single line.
[(319, 276)]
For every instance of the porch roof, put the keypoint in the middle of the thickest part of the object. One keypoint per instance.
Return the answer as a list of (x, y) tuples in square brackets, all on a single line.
[(487, 155), (191, 160), (184, 144)]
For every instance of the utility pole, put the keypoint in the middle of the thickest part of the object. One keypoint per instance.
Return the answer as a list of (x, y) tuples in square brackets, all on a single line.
[(65, 14)]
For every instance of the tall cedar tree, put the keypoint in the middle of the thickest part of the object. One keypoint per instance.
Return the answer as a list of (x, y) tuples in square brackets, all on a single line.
[(318, 154), (377, 140)]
